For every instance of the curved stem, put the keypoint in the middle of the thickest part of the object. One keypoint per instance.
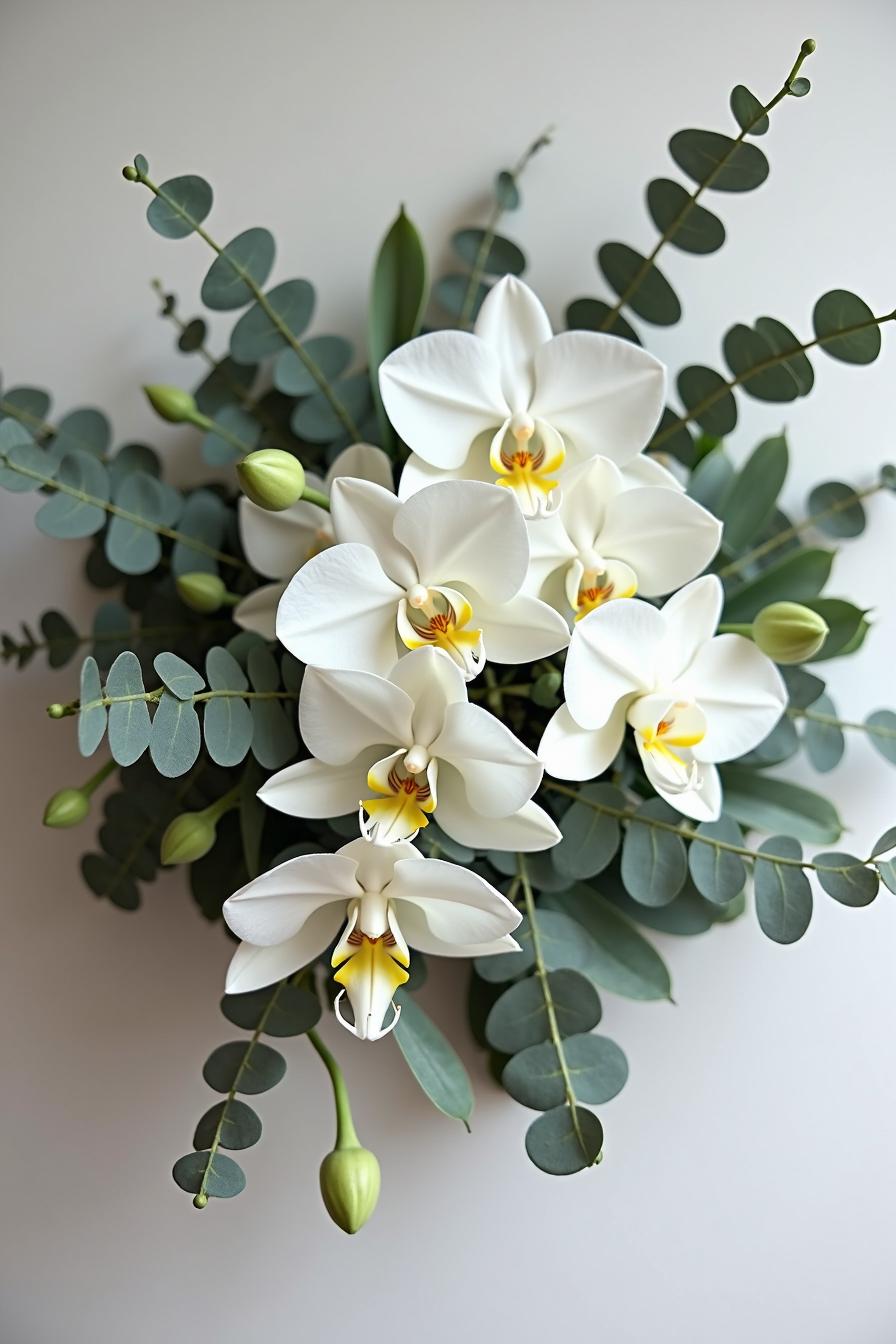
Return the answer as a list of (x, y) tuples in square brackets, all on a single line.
[(831, 721), (795, 529), (97, 779), (346, 1136), (316, 497)]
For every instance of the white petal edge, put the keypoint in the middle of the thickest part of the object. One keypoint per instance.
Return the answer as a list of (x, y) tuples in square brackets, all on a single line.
[(512, 320), (273, 908), (343, 713), (613, 653), (570, 752)]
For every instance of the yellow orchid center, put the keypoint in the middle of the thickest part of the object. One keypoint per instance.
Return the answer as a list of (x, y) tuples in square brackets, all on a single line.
[(441, 618), (598, 587), (524, 459), (371, 962), (406, 798), (681, 727)]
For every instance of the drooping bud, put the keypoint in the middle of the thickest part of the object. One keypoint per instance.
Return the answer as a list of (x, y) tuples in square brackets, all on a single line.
[(789, 632), (187, 838), (173, 404), (350, 1186), (68, 807), (201, 592), (271, 478)]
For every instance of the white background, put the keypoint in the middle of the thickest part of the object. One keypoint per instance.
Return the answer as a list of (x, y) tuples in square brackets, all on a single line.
[(748, 1187)]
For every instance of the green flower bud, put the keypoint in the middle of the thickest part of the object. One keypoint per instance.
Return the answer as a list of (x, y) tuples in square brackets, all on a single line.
[(789, 632), (172, 403), (56, 711), (350, 1186), (129, 173), (201, 592), (187, 838), (271, 478), (68, 807)]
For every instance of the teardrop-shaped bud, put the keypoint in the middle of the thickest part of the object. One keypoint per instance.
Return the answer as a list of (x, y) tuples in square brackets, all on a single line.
[(350, 1186), (789, 632), (271, 478)]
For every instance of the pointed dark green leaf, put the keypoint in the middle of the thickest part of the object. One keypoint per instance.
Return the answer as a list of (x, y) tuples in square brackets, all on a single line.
[(846, 626), (845, 327), (331, 354), (67, 516), (258, 334), (562, 1142), (654, 861), (519, 1017), (592, 314), (717, 161), (596, 1066), (639, 283), (176, 739), (708, 399), (247, 258), (433, 1061), (748, 111), (230, 1124), (680, 221), (718, 874), (712, 480), (783, 893), (620, 958), (796, 578), (244, 1066), (223, 1177), (110, 879), (182, 204), (752, 500), (92, 717), (856, 885), (765, 804)]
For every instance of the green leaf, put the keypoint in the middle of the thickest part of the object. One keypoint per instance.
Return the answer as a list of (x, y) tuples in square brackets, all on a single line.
[(718, 875), (856, 886), (845, 623), (244, 1066), (397, 299), (799, 87), (433, 1062), (217, 450), (699, 386), (182, 203), (175, 740), (506, 191), (680, 221), (887, 870), (748, 111), (824, 742), (31, 403), (654, 861), (519, 1017), (591, 314), (501, 257), (85, 430), (193, 336), (849, 518), (64, 515), (783, 893), (564, 943), (555, 1146), (19, 449), (223, 1177), (224, 672), (133, 457), (752, 500), (129, 722), (621, 959), (886, 842), (225, 381), (803, 689), (597, 1067), (844, 326), (257, 335), (784, 342), (451, 291), (92, 718), (796, 578), (639, 283), (712, 479), (110, 879), (590, 838), (314, 418), (62, 638), (180, 678), (497, 970), (248, 257), (133, 549), (750, 357), (777, 746), (881, 727), (228, 728), (717, 161), (204, 518), (765, 804), (331, 354), (240, 1127), (294, 1010)]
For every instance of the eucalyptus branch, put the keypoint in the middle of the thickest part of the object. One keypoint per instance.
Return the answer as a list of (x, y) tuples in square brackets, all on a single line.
[(33, 422), (687, 206), (57, 711), (11, 649), (796, 529), (541, 974), (831, 721), (314, 371), (491, 227)]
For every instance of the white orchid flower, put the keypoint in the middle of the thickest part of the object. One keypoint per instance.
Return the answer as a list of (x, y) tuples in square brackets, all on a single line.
[(692, 697), (443, 569), (606, 541), (511, 403), (403, 748), (278, 544), (386, 898)]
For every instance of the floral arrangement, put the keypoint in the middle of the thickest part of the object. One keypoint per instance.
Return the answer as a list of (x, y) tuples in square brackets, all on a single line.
[(487, 651)]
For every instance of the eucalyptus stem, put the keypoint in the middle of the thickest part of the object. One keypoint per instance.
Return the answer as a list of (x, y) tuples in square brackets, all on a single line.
[(346, 1135), (314, 371), (671, 229), (794, 530), (57, 711), (541, 974), (831, 721)]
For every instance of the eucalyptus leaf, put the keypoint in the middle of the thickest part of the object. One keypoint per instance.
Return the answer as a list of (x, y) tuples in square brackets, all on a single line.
[(192, 337), (639, 283), (857, 885), (92, 716), (178, 676), (881, 726), (562, 942), (176, 739), (267, 327), (717, 161), (493, 255), (274, 737), (331, 354), (130, 726), (228, 728), (223, 1178), (315, 420), (451, 292), (708, 399), (848, 516), (596, 1066), (110, 879), (226, 381), (562, 1142), (718, 874), (23, 455), (218, 450), (69, 515), (753, 361), (247, 260), (593, 314), (783, 893), (797, 578), (249, 1067), (621, 959), (85, 430), (519, 1018), (766, 804), (181, 205), (752, 500), (231, 1124), (824, 742), (204, 518), (590, 838), (61, 637), (433, 1061), (278, 1010), (712, 480), (845, 328), (783, 342), (682, 222), (803, 688), (777, 746), (748, 112), (654, 860), (131, 547)]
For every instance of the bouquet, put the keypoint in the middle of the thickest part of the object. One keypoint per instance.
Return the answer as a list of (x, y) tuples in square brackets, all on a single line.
[(485, 649)]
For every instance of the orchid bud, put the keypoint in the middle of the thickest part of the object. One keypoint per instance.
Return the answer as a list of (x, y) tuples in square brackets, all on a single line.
[(788, 632), (271, 478), (172, 403), (201, 592), (350, 1186), (187, 838), (68, 807)]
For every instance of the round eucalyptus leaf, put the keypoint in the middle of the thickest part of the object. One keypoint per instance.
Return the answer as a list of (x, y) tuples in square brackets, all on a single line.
[(799, 87), (620, 958), (129, 722), (244, 1066), (564, 944), (68, 516), (597, 1068), (856, 885), (331, 354), (178, 676), (266, 327), (92, 717), (677, 439), (718, 874), (131, 547), (681, 222), (192, 337), (717, 161), (261, 665), (110, 879), (451, 292), (748, 111), (825, 742), (175, 740), (274, 737), (783, 893), (181, 205), (848, 518), (590, 837), (592, 314), (223, 671), (32, 404), (654, 861), (223, 1177), (881, 726), (506, 191), (748, 355), (777, 746), (61, 637), (845, 328), (227, 380), (287, 1010), (783, 342), (519, 1018), (315, 420), (497, 970), (231, 1124), (639, 283), (499, 256), (247, 260), (133, 457), (708, 399), (85, 430), (218, 449), (22, 455), (228, 728), (562, 1142), (204, 518)]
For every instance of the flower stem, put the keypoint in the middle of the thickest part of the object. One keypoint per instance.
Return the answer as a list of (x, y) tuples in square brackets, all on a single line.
[(831, 721), (316, 497), (346, 1136)]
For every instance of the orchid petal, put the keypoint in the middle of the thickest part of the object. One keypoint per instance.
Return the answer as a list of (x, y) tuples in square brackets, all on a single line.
[(458, 906), (646, 470), (313, 789), (364, 461), (417, 474), (440, 391), (691, 616), (601, 392), (550, 548), (343, 713), (513, 322), (467, 532), (587, 492), (613, 653), (499, 773), (666, 537), (570, 752), (702, 803), (526, 830), (258, 610), (365, 513), (276, 544), (274, 907), (432, 681), (521, 630), (376, 863), (420, 938), (253, 967), (741, 693)]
